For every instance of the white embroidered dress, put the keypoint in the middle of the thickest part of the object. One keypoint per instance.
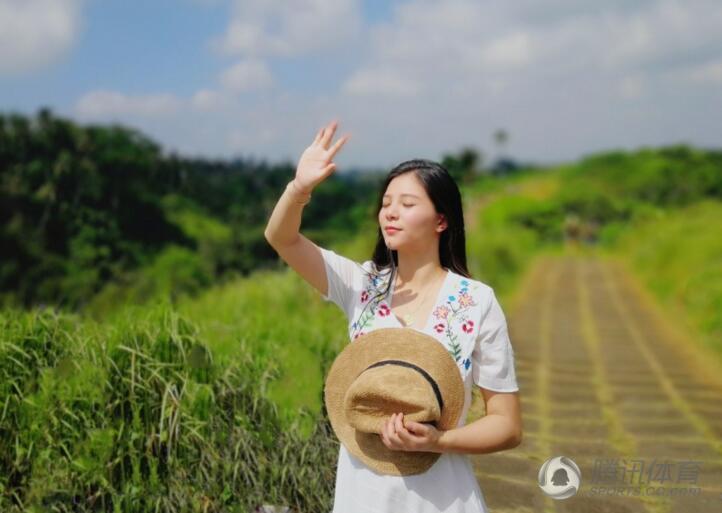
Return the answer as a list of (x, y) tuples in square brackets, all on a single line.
[(468, 320)]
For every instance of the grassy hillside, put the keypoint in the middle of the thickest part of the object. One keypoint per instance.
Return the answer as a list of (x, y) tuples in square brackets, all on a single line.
[(185, 404), (678, 255)]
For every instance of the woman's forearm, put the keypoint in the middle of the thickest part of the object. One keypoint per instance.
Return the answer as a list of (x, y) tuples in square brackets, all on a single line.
[(488, 434), (285, 221)]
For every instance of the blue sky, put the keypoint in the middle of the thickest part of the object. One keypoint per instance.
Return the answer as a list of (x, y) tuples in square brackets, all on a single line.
[(412, 78)]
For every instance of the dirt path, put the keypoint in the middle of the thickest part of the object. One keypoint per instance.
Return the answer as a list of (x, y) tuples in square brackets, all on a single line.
[(602, 378)]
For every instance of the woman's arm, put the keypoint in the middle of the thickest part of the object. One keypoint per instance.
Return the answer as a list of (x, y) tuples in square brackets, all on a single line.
[(282, 231), (285, 221), (498, 430)]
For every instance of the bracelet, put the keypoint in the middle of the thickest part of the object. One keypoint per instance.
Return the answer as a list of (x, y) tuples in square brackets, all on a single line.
[(297, 191)]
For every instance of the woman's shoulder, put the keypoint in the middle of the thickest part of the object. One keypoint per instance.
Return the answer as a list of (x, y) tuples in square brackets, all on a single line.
[(477, 289), (375, 279), (371, 268), (373, 273), (473, 285), (367, 265)]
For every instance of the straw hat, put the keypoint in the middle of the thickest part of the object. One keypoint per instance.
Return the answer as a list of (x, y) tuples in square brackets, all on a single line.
[(387, 371)]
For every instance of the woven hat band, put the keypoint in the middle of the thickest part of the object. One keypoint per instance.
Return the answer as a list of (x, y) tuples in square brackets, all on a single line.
[(426, 375)]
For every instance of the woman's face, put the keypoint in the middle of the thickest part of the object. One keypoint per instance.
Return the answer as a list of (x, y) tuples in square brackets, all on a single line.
[(406, 206)]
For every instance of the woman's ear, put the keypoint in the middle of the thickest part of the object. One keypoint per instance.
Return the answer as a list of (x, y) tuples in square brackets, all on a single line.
[(441, 223)]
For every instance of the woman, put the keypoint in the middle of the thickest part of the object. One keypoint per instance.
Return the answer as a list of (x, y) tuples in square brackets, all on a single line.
[(418, 279)]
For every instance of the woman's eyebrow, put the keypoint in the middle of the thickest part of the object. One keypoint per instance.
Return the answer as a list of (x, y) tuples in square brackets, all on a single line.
[(412, 195)]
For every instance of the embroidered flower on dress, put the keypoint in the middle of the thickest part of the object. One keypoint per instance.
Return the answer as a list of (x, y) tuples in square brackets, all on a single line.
[(455, 314), (441, 312), (371, 297), (465, 299), (451, 316)]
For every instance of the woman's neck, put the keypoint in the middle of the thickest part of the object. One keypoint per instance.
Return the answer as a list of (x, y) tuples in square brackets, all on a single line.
[(415, 271)]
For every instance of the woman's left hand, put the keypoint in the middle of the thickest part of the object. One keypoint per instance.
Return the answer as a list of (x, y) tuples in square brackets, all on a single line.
[(401, 435)]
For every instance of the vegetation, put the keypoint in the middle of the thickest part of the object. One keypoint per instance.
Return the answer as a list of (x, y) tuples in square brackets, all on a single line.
[(678, 255), (143, 364), (82, 208), (143, 418)]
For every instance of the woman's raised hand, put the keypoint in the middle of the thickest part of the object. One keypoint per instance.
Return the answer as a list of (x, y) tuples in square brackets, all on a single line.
[(316, 163)]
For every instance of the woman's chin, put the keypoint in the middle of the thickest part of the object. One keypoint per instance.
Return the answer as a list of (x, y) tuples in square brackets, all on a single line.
[(393, 245)]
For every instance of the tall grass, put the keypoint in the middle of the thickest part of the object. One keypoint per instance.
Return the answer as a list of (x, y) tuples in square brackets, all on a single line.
[(678, 255), (140, 416)]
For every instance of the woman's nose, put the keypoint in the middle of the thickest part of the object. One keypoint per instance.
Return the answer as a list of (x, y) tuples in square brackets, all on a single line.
[(391, 210), (391, 214)]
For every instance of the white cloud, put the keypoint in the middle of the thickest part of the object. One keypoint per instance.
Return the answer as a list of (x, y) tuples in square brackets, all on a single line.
[(36, 33), (492, 37), (247, 75), (563, 77), (208, 100), (288, 27), (631, 87), (707, 73), (101, 104), (243, 140), (466, 68), (510, 50), (387, 82)]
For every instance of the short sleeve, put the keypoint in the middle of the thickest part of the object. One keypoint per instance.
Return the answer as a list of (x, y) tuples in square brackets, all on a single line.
[(493, 356), (345, 279)]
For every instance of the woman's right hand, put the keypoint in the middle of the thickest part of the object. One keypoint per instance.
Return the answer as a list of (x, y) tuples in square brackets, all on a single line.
[(316, 163)]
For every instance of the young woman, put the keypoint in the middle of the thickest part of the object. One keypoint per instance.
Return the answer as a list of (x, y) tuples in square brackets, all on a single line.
[(416, 278)]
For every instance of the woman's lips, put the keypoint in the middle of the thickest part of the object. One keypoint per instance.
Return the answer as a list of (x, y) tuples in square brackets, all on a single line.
[(392, 230)]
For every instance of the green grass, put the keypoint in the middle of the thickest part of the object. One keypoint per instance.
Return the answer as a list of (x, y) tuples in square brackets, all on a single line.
[(178, 402), (678, 255), (279, 318), (499, 246), (141, 415)]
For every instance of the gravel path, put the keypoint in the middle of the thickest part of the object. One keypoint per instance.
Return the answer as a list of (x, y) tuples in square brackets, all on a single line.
[(604, 381)]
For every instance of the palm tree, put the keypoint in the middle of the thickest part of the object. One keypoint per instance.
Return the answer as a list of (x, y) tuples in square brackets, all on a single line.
[(501, 136)]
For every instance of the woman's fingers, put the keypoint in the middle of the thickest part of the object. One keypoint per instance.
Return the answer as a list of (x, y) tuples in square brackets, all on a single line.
[(328, 169), (389, 430), (394, 435), (328, 134), (319, 135), (334, 149), (399, 423), (401, 429), (385, 433)]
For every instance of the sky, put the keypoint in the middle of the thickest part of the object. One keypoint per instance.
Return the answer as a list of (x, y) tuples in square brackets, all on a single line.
[(406, 79)]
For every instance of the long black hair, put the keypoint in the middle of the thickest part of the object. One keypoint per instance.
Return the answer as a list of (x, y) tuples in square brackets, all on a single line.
[(444, 194)]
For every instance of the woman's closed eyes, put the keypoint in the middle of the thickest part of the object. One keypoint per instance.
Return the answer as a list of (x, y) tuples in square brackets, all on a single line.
[(404, 204)]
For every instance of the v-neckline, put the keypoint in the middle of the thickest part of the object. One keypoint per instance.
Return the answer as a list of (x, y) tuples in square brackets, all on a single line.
[(425, 327)]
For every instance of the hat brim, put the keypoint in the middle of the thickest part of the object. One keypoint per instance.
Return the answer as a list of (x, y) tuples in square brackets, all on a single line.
[(406, 344)]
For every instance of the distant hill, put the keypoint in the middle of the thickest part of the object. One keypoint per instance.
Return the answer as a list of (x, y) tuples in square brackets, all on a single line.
[(84, 206)]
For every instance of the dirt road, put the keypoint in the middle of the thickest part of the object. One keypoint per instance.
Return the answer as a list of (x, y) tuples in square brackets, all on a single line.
[(604, 381)]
